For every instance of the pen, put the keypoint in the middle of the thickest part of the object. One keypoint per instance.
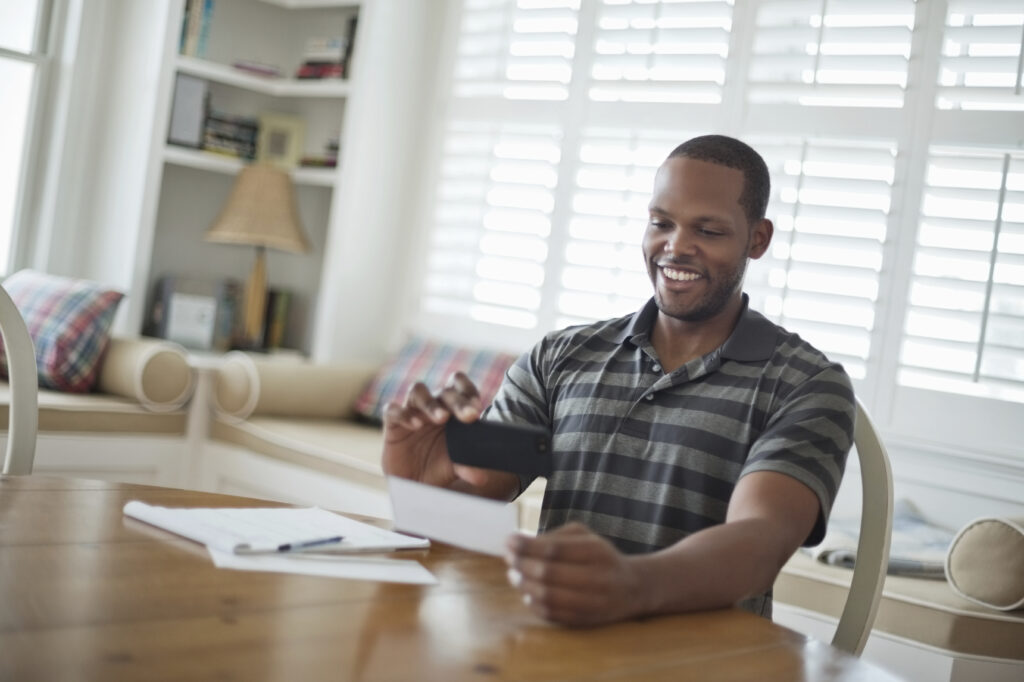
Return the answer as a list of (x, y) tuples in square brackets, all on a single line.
[(287, 546)]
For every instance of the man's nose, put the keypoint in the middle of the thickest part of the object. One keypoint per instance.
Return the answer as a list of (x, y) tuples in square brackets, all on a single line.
[(679, 243)]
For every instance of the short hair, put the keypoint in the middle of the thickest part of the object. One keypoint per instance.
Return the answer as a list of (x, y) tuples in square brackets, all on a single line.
[(732, 153)]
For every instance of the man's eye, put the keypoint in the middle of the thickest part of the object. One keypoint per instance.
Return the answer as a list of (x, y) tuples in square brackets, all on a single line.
[(709, 233), (659, 224)]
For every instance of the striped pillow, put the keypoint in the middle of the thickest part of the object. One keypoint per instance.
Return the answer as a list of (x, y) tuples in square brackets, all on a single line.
[(431, 362), (69, 322)]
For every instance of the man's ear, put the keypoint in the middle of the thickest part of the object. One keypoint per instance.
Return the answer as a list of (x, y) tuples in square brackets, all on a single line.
[(760, 238)]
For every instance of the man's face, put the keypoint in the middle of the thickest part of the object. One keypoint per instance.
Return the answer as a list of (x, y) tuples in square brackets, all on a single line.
[(698, 238)]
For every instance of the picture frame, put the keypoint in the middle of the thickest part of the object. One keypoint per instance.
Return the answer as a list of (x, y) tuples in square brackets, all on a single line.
[(281, 139)]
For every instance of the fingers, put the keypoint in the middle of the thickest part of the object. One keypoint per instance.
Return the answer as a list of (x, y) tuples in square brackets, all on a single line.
[(418, 409), (570, 576), (421, 408), (461, 397)]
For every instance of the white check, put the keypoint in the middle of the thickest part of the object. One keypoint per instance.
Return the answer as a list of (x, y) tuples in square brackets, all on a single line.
[(459, 519)]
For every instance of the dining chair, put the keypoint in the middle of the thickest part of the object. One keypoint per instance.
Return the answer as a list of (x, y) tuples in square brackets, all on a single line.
[(23, 418), (873, 543)]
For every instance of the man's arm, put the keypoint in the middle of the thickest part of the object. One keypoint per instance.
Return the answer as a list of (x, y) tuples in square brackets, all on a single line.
[(573, 576)]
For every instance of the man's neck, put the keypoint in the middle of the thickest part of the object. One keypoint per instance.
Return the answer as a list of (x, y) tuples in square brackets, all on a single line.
[(677, 342)]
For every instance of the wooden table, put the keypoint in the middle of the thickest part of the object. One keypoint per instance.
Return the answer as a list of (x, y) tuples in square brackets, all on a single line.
[(86, 593)]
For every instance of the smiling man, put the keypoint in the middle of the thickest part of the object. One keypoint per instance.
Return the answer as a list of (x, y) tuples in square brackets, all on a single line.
[(696, 444)]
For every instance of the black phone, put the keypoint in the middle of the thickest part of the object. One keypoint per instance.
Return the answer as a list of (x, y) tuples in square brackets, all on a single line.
[(516, 448)]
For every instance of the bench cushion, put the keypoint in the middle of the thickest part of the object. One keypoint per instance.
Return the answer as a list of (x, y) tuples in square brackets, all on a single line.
[(97, 413), (925, 611)]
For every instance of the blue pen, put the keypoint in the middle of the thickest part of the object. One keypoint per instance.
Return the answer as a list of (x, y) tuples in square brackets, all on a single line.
[(288, 546)]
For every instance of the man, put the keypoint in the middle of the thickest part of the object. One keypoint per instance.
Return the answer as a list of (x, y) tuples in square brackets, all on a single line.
[(696, 445)]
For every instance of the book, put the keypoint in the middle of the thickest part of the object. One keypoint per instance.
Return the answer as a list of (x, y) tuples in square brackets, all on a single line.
[(196, 27), (275, 322), (238, 530)]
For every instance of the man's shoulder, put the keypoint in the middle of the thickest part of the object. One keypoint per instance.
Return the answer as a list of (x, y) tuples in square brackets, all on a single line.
[(794, 354)]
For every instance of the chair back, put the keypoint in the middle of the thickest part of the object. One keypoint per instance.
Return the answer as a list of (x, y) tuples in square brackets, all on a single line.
[(873, 544), (23, 418)]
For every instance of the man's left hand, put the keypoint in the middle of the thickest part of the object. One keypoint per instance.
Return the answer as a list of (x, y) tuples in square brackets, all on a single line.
[(574, 577)]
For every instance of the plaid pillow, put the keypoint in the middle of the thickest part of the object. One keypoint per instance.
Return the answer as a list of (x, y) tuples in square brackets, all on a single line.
[(431, 362), (69, 322)]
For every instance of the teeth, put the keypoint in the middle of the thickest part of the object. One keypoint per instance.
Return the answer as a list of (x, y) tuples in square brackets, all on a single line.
[(679, 275)]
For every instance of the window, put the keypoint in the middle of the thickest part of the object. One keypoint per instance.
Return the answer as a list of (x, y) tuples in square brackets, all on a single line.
[(891, 132), (21, 62)]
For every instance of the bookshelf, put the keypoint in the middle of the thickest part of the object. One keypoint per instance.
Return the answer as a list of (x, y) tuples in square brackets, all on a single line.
[(193, 183)]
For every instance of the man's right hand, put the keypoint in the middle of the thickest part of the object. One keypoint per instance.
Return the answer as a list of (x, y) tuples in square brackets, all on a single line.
[(414, 440)]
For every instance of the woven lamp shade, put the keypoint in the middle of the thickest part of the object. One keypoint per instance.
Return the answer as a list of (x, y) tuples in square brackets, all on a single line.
[(261, 211)]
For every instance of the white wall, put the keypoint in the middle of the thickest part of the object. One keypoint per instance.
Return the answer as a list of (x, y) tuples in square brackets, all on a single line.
[(367, 257)]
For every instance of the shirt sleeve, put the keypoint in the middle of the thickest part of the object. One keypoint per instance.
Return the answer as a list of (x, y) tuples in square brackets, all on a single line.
[(522, 397), (808, 436)]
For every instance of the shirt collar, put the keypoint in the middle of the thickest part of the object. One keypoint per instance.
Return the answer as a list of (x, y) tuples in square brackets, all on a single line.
[(753, 339)]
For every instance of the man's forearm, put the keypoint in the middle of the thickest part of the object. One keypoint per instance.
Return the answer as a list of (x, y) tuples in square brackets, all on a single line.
[(714, 568)]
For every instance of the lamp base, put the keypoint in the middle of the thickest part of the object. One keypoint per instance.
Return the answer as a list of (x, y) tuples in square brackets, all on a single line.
[(255, 302)]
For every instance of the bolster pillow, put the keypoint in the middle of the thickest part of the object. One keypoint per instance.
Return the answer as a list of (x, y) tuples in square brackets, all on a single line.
[(248, 384), (151, 371), (985, 563)]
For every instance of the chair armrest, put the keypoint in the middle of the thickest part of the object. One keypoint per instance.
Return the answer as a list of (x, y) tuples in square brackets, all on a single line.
[(154, 372), (247, 384)]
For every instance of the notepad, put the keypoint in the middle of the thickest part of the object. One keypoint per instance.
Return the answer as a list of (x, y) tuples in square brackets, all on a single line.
[(232, 529)]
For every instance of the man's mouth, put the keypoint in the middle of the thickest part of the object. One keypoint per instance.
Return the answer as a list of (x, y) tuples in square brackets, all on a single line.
[(679, 275)]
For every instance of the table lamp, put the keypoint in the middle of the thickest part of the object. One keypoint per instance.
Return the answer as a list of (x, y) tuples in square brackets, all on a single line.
[(261, 212)]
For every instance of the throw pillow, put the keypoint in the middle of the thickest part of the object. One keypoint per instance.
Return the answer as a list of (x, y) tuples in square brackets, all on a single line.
[(69, 322), (431, 362)]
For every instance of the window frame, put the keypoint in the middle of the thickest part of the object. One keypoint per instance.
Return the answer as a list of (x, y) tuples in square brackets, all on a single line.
[(41, 56)]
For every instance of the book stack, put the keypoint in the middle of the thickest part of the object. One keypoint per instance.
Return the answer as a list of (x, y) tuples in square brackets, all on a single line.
[(323, 58), (329, 159), (195, 312), (195, 27), (231, 135)]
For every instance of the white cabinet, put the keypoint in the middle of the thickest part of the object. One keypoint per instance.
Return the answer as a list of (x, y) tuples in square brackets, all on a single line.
[(192, 184)]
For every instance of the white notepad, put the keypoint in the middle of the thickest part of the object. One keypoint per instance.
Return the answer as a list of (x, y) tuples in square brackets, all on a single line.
[(230, 529)]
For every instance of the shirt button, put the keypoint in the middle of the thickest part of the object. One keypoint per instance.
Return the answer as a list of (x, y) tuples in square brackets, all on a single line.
[(656, 368)]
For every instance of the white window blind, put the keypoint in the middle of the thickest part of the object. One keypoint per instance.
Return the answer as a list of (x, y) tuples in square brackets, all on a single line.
[(830, 204), (897, 197), (661, 51), (982, 60), (516, 50), (964, 329), (493, 218), (603, 273), (832, 52)]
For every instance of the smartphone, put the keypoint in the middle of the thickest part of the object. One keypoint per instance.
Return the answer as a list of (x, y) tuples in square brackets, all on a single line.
[(516, 448)]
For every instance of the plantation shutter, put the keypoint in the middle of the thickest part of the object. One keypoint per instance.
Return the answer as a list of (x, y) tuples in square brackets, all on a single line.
[(965, 322)]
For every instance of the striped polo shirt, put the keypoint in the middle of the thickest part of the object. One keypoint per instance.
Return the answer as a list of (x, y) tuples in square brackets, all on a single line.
[(645, 458)]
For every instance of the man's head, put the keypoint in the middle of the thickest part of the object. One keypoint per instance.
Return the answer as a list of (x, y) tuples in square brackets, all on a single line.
[(731, 153), (706, 220)]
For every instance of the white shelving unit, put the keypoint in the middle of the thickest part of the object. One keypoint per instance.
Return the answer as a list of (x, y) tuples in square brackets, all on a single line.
[(217, 163), (192, 184), (266, 85)]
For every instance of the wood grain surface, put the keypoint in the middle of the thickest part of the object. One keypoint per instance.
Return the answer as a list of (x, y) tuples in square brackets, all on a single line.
[(86, 593)]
